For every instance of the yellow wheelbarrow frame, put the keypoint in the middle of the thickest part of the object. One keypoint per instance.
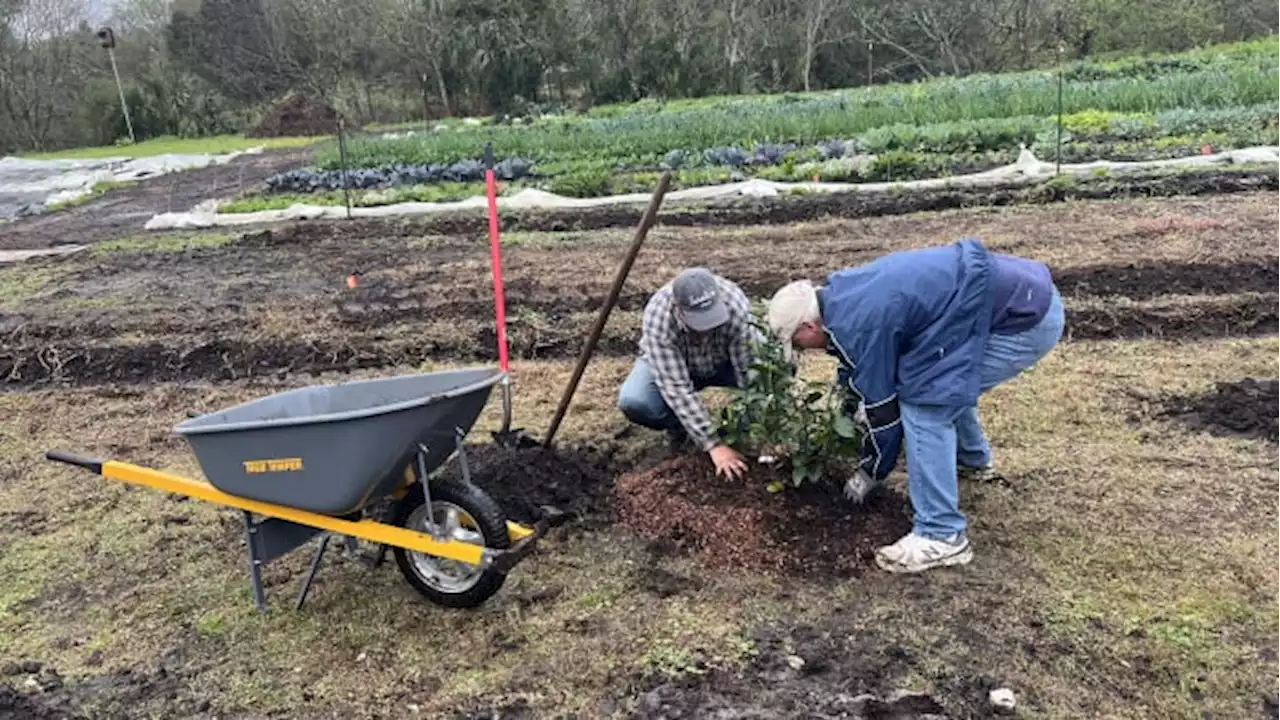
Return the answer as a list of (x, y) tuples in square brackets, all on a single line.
[(291, 527)]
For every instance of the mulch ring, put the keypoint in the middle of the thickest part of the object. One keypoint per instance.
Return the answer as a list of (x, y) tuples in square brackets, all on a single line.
[(810, 530), (1248, 408)]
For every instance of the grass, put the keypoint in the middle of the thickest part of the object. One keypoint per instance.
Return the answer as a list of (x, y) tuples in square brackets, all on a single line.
[(1199, 618), (438, 193), (21, 282), (1127, 569), (163, 243), (99, 188), (174, 145)]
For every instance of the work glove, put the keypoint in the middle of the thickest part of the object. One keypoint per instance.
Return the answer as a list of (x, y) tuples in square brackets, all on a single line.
[(858, 486)]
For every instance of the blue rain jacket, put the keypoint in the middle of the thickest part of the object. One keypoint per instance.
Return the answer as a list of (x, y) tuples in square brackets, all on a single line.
[(909, 327)]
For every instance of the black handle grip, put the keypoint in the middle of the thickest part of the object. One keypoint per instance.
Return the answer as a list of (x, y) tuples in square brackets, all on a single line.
[(92, 464), (488, 156)]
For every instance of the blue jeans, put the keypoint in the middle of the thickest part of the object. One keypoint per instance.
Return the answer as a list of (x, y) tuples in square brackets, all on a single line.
[(642, 402), (938, 438)]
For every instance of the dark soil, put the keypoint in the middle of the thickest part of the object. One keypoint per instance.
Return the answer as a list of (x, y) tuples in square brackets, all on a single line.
[(157, 689), (1245, 316), (807, 671), (19, 706), (377, 327), (275, 303), (1146, 280), (298, 115), (810, 530), (1249, 408), (123, 212), (525, 481)]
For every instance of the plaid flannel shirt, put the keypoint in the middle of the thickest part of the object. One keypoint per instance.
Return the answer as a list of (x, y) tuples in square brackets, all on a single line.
[(678, 356)]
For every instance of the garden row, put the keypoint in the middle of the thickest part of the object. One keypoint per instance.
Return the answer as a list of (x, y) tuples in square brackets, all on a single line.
[(1238, 78), (1135, 109)]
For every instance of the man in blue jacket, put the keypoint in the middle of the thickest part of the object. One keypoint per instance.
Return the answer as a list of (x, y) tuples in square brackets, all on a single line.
[(919, 335)]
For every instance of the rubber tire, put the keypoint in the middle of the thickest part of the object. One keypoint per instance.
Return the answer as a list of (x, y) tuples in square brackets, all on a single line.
[(492, 522)]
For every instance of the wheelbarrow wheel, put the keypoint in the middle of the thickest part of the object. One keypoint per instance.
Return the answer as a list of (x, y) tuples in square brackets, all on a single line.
[(462, 512)]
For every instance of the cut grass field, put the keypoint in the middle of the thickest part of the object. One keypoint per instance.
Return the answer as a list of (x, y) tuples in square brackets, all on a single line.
[(217, 144), (1125, 565)]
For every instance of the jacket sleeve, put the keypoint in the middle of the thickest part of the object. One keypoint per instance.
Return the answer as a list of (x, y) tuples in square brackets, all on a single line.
[(868, 369)]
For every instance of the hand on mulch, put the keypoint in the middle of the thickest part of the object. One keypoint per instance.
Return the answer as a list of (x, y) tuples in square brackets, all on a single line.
[(729, 463)]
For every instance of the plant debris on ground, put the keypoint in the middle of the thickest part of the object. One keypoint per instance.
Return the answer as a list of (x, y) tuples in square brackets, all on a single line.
[(809, 530)]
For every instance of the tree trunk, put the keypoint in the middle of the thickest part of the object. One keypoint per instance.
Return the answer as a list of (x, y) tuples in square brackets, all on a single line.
[(808, 65), (440, 84)]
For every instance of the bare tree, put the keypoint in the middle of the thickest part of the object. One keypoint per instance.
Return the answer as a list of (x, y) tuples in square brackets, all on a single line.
[(41, 68), (420, 31), (824, 22)]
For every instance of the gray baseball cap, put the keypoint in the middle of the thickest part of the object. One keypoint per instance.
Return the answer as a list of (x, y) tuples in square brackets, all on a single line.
[(697, 296)]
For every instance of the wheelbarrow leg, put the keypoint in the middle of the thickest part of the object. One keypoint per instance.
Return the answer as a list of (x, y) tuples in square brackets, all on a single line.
[(255, 563), (311, 572)]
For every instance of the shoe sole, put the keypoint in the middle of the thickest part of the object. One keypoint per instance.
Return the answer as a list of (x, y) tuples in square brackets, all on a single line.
[(964, 557)]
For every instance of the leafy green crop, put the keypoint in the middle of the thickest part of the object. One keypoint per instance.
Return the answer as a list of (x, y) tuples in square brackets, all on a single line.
[(804, 421), (1124, 109)]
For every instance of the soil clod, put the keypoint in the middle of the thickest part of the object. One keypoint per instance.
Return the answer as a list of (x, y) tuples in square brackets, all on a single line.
[(15, 705), (530, 483), (1248, 408), (807, 530), (664, 583)]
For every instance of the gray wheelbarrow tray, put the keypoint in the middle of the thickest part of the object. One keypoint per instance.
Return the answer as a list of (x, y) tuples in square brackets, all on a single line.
[(317, 458)]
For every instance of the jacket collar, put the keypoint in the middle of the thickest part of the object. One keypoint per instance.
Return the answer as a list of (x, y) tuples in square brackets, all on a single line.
[(822, 312)]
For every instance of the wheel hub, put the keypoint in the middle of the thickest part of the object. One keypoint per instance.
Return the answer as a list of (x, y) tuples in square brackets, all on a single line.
[(452, 523)]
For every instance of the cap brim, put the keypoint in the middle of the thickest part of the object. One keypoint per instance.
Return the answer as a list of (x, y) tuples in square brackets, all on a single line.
[(709, 319)]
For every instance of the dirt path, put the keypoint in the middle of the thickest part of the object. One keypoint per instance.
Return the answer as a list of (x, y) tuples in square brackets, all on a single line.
[(123, 212), (276, 302)]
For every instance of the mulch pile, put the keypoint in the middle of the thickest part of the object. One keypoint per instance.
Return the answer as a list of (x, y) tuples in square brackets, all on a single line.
[(1248, 408), (740, 524), (298, 115)]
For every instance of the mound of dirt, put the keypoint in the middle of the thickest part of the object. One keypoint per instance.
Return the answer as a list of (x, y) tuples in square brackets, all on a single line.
[(1248, 408), (808, 530), (298, 115), (18, 706), (525, 480)]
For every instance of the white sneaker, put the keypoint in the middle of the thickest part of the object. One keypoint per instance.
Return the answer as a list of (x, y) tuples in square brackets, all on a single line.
[(986, 473), (915, 553)]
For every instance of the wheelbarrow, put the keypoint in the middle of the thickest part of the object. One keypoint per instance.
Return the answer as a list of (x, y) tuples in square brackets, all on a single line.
[(324, 459)]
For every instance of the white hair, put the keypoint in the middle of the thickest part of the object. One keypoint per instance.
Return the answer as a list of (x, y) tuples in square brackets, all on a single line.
[(792, 306)]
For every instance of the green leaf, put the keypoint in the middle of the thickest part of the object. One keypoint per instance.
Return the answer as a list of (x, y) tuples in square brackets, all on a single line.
[(775, 487), (798, 471), (845, 427)]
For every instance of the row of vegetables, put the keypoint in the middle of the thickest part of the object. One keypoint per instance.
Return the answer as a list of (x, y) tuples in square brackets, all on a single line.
[(1133, 108), (939, 147)]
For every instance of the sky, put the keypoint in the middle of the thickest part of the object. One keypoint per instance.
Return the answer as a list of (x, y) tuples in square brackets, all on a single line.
[(99, 11)]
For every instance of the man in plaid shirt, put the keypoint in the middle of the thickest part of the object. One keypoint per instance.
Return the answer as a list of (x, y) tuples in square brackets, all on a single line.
[(696, 334)]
